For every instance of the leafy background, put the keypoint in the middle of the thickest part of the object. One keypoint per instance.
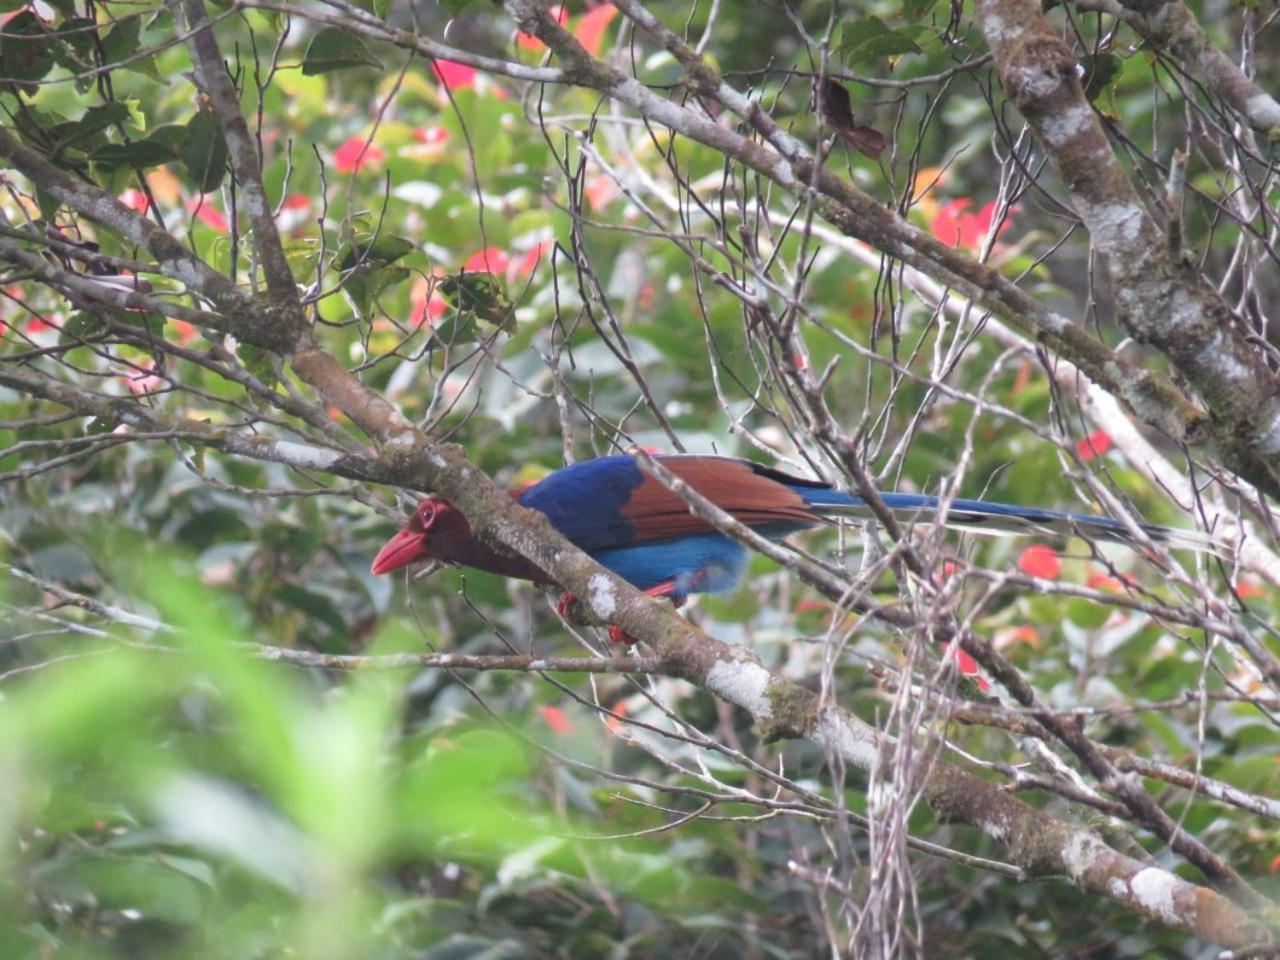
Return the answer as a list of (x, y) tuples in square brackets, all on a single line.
[(168, 794)]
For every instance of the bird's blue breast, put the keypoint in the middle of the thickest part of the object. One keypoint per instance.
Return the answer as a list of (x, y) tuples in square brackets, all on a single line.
[(702, 563)]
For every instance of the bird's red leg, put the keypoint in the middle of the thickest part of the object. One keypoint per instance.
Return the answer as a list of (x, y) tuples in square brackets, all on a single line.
[(669, 590), (566, 603), (677, 595)]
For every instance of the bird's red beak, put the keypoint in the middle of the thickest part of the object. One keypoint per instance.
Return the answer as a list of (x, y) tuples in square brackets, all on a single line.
[(406, 547)]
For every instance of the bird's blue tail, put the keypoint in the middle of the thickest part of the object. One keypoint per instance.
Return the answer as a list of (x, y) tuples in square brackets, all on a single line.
[(1002, 519)]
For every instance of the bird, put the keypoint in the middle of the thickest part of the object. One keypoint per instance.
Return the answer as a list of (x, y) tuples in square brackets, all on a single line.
[(633, 525)]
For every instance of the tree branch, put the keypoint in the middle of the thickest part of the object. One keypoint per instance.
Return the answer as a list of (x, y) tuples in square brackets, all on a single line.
[(1158, 301)]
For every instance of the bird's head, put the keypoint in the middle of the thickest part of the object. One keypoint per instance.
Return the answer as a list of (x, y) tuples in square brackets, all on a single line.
[(432, 533)]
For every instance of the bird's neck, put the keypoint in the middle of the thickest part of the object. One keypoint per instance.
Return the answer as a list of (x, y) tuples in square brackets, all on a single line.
[(472, 552)]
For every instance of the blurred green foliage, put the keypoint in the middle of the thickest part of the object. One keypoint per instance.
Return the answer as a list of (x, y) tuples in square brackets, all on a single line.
[(170, 795)]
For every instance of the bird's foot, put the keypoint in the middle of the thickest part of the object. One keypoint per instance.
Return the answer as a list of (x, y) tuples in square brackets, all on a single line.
[(567, 607), (668, 590)]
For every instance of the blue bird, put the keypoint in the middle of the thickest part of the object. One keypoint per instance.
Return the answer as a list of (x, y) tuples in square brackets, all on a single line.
[(633, 525)]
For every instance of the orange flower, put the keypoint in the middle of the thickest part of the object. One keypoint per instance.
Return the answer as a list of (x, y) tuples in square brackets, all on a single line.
[(1014, 636), (955, 226), (1039, 561), (527, 41), (613, 722), (557, 720), (590, 29), (1249, 587), (1105, 583)]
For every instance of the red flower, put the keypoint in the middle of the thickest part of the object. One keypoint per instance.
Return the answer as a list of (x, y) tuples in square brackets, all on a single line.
[(454, 75), (142, 382), (590, 29), (1248, 586), (1039, 561), (969, 667), (426, 308), (947, 571), (601, 191), (184, 332), (1012, 636), (38, 324), (488, 260), (135, 200), (1094, 445), (295, 211), (529, 262), (355, 153), (431, 136), (1105, 583), (613, 722), (208, 214), (527, 41), (557, 720), (958, 228)]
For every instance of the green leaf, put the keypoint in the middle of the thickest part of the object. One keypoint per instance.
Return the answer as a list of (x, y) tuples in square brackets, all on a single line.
[(369, 263), (476, 297), (1086, 613), (259, 362), (914, 10), (205, 152), (80, 326), (336, 49), (123, 41), (384, 250), (457, 329), (35, 126), (28, 50), (1100, 73), (315, 605), (867, 38), (482, 294), (171, 135), (139, 154), (48, 204), (76, 41), (91, 124)]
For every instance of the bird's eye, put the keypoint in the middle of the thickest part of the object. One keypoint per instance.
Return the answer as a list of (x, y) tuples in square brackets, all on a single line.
[(427, 514)]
